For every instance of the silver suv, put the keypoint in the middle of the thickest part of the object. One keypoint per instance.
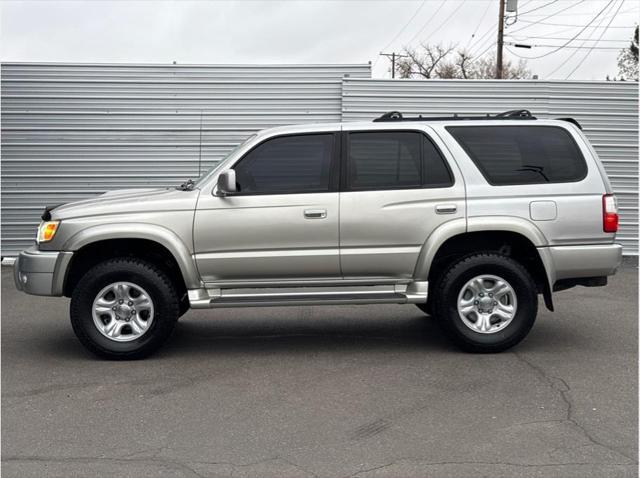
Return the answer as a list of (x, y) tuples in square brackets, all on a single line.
[(469, 218)]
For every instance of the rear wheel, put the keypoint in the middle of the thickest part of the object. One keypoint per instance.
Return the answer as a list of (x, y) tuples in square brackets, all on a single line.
[(486, 302), (124, 308)]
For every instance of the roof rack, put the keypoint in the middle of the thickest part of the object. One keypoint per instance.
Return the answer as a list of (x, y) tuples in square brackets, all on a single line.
[(507, 115)]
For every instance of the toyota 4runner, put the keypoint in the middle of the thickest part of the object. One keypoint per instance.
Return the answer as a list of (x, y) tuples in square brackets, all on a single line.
[(469, 218)]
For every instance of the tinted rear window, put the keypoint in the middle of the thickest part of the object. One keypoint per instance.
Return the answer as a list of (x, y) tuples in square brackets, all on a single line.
[(522, 154)]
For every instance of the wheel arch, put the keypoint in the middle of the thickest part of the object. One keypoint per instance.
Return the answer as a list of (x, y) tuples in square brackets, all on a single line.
[(104, 241), (514, 237)]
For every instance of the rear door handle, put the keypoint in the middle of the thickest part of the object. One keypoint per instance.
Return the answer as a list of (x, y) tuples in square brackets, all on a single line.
[(446, 208), (315, 213)]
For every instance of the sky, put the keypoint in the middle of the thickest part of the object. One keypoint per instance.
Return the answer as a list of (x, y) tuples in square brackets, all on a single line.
[(330, 31)]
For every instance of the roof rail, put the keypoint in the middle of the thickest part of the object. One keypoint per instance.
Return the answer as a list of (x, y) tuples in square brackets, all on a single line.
[(510, 115)]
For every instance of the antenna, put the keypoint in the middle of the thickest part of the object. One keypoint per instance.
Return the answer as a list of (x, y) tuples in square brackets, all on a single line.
[(200, 147)]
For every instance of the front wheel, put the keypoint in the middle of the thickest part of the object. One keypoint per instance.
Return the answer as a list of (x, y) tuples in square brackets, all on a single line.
[(486, 302), (124, 308)]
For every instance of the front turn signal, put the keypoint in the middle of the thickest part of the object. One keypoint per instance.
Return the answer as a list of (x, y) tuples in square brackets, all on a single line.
[(47, 231)]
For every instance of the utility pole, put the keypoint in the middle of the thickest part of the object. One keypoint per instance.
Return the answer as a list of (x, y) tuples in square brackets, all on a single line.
[(393, 57), (500, 41)]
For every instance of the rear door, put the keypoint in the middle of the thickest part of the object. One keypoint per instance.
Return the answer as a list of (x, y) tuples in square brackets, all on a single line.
[(397, 188)]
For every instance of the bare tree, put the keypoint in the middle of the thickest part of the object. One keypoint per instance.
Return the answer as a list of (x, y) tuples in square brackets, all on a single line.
[(464, 62), (485, 67), (437, 61), (628, 59), (423, 62)]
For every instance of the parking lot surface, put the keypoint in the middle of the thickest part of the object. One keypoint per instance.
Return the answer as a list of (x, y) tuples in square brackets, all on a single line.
[(365, 391)]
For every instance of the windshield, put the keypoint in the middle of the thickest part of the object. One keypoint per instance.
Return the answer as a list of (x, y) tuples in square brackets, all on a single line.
[(216, 166)]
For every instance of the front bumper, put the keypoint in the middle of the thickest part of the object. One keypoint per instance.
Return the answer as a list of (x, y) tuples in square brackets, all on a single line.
[(41, 272), (573, 262)]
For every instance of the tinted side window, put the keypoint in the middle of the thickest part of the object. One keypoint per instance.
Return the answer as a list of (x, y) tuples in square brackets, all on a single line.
[(522, 154), (435, 172), (395, 160), (287, 164), (384, 160)]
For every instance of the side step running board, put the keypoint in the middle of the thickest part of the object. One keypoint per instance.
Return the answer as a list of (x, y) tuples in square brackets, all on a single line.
[(414, 293)]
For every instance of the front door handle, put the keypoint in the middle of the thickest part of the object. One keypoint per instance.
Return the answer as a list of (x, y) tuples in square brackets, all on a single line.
[(446, 208), (315, 213)]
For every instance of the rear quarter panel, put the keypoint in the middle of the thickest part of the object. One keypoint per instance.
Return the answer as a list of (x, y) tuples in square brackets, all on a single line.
[(578, 218)]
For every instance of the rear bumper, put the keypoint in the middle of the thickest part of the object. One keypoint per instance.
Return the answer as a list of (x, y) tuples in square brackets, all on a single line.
[(41, 272), (572, 262)]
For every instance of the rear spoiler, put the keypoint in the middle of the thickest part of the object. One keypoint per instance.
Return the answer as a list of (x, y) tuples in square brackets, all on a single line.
[(572, 121)]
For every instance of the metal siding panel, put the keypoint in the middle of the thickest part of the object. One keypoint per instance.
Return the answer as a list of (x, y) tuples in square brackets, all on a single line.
[(70, 131), (608, 112)]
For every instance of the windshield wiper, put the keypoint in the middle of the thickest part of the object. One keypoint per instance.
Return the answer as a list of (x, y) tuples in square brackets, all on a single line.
[(187, 185), (534, 169)]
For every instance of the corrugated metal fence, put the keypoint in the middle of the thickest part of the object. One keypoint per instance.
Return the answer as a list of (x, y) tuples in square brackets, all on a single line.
[(73, 131), (70, 131), (608, 112)]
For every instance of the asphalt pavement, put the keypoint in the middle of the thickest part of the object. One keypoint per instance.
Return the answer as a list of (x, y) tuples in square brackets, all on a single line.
[(364, 391)]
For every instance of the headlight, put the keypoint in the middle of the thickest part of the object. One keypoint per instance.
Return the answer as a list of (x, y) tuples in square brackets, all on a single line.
[(47, 231)]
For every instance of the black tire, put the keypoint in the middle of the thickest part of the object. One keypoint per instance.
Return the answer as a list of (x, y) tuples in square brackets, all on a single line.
[(426, 308), (144, 274), (465, 269), (184, 306)]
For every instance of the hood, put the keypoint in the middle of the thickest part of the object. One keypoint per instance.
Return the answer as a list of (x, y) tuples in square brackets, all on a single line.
[(128, 201)]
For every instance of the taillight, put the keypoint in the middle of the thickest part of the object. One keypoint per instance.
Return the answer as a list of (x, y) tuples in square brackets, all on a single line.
[(609, 213)]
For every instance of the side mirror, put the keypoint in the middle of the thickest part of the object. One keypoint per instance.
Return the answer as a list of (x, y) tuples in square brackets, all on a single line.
[(227, 182)]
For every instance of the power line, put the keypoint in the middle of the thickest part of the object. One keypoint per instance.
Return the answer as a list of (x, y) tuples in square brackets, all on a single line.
[(428, 21), (478, 27), (560, 47), (447, 19), (634, 10), (575, 52), (479, 56), (538, 8), (594, 47), (565, 38), (403, 28), (549, 16), (565, 24), (565, 45), (481, 40)]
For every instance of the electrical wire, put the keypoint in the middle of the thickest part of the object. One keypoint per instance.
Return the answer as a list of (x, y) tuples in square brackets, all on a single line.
[(428, 21), (479, 56), (538, 8), (549, 16), (573, 25), (403, 28), (565, 45), (575, 52), (478, 26), (481, 39), (419, 32), (565, 38), (594, 47), (446, 19), (585, 13)]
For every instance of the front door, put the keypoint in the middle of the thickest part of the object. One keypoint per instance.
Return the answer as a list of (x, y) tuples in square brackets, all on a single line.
[(398, 188), (283, 221)]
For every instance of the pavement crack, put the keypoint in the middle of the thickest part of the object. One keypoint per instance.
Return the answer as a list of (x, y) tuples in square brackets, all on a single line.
[(562, 388), (485, 463), (162, 462)]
